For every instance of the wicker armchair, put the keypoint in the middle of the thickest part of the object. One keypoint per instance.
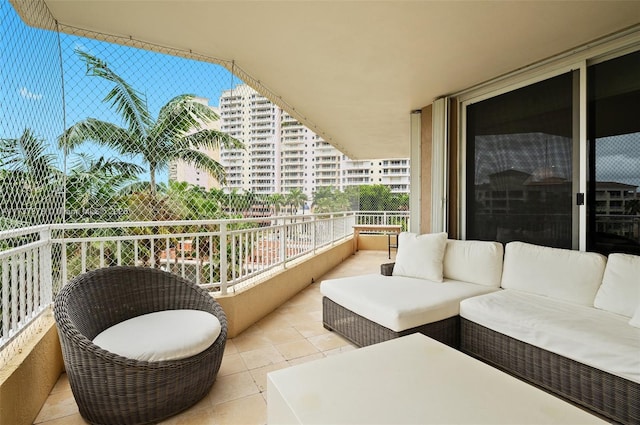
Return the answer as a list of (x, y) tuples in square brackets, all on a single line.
[(109, 388)]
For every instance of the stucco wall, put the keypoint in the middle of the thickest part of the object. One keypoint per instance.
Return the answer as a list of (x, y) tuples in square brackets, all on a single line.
[(27, 380), (246, 307)]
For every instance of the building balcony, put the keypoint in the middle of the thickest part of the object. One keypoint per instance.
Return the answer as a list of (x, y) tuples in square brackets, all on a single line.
[(291, 335), (37, 261)]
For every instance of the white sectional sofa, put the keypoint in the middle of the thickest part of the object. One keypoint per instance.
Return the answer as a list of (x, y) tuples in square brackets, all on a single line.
[(430, 278), (567, 321), (564, 320)]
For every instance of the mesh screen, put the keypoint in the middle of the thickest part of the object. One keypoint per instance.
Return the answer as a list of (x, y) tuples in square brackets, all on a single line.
[(31, 168), (97, 129), (137, 133), (31, 173)]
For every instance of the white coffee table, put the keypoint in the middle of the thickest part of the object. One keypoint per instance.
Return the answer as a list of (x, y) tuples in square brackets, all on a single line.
[(410, 380)]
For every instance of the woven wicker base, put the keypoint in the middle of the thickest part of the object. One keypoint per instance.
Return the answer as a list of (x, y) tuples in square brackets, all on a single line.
[(110, 389), (608, 395), (364, 332)]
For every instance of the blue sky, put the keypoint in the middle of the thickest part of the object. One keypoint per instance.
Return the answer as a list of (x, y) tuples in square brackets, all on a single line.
[(31, 92)]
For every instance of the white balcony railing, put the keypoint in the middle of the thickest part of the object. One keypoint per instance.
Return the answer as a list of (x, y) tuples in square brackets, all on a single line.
[(25, 279), (220, 255)]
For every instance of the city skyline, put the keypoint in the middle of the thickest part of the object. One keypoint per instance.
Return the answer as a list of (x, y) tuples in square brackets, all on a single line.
[(282, 155)]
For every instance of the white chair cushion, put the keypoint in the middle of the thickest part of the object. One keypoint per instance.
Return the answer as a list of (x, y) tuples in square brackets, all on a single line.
[(474, 261), (420, 256), (399, 302), (163, 335), (563, 274), (620, 289)]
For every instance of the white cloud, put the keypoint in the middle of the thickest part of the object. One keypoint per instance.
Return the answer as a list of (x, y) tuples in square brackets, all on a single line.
[(25, 93)]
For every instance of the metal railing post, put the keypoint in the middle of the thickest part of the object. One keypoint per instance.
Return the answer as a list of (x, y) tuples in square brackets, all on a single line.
[(223, 259), (283, 244), (314, 242), (45, 268)]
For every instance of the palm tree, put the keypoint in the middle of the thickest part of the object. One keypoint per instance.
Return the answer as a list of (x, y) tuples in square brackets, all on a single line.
[(94, 184), (30, 183), (296, 198), (176, 134), (277, 200), (322, 199)]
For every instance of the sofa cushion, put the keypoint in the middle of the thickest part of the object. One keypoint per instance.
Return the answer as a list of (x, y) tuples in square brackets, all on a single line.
[(635, 320), (597, 338), (420, 256), (163, 335), (563, 274), (399, 302), (473, 261), (620, 289)]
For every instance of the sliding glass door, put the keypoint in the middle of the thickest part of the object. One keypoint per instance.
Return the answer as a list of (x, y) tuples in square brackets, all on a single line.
[(519, 165), (614, 155), (523, 160)]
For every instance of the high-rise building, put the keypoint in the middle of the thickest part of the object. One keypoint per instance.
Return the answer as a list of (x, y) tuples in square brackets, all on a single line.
[(281, 154)]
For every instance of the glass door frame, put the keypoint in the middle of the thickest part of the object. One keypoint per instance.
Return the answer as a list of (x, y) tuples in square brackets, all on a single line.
[(579, 118), (576, 61)]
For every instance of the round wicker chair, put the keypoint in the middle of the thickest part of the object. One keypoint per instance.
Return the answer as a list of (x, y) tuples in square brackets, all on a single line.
[(109, 388)]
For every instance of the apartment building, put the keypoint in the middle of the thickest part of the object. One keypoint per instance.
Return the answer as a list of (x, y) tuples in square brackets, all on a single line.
[(282, 155)]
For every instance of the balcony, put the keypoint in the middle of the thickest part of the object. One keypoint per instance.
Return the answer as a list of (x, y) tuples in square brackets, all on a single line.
[(38, 260), (291, 335), (236, 260)]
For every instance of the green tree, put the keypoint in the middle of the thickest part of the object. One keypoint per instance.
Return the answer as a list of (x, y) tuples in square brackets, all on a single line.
[(375, 197), (277, 200), (296, 198), (30, 183), (323, 199), (401, 202), (177, 133), (92, 187), (353, 196), (327, 199)]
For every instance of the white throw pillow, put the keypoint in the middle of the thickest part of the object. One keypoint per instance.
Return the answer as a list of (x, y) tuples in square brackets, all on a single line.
[(420, 256), (635, 320), (163, 335), (620, 289)]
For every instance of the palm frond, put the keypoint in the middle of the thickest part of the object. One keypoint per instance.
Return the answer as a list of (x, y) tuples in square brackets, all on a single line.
[(204, 162), (203, 112), (27, 154), (177, 118), (138, 187), (127, 101), (101, 132), (116, 167), (212, 139)]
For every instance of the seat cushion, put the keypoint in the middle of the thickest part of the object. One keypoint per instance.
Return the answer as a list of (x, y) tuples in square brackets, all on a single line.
[(620, 289), (597, 338), (474, 261), (399, 302), (163, 335)]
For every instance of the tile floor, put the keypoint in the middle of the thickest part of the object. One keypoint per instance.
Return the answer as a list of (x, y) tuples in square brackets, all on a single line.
[(291, 335)]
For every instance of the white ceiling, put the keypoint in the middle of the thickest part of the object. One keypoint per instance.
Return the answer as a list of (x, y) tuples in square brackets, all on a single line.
[(356, 69)]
